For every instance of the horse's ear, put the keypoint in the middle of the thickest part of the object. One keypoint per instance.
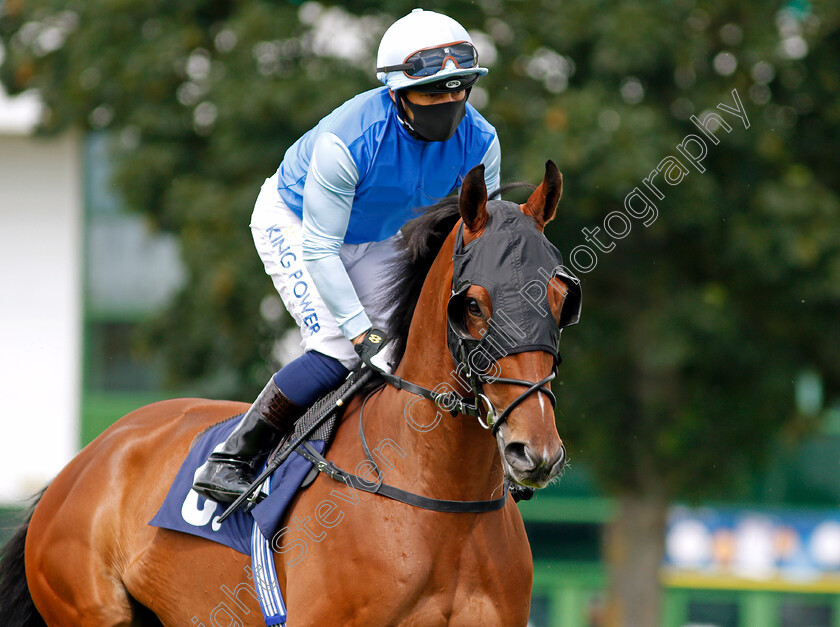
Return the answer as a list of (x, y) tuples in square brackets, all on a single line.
[(473, 202), (543, 202)]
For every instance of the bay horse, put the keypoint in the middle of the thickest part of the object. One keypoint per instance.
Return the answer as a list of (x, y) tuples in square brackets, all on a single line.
[(90, 557)]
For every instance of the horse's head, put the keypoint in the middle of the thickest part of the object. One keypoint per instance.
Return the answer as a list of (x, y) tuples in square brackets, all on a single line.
[(511, 296)]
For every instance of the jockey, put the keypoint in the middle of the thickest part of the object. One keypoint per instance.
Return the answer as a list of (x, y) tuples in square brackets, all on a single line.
[(325, 224)]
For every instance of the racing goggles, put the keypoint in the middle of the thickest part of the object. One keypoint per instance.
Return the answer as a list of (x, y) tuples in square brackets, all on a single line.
[(430, 61)]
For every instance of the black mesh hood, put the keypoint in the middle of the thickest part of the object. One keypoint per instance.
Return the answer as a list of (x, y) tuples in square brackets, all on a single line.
[(514, 262)]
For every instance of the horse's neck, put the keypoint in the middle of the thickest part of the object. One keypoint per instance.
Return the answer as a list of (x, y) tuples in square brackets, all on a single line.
[(441, 455), (448, 452)]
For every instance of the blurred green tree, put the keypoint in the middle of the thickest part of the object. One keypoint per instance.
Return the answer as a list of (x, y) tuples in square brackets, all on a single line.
[(201, 100), (679, 380)]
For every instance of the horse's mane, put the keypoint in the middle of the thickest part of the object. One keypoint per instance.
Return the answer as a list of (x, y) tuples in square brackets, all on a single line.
[(421, 243)]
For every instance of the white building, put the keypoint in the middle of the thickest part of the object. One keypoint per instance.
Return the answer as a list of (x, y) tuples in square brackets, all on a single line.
[(77, 273), (41, 217)]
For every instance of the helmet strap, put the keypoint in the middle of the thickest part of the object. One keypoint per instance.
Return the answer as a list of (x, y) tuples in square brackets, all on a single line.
[(401, 115)]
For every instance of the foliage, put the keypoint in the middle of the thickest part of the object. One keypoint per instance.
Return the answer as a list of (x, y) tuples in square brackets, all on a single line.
[(697, 326), (681, 373)]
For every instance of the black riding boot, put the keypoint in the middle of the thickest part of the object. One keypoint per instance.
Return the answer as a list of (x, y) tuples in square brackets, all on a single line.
[(232, 467)]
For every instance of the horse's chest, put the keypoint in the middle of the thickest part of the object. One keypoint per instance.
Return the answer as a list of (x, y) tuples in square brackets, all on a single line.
[(468, 583), (401, 576), (386, 564), (468, 606), (469, 612)]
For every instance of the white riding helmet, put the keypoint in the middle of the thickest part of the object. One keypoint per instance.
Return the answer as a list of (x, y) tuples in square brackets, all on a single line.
[(425, 35)]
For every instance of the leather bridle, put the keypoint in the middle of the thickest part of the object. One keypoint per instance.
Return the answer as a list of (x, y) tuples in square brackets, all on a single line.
[(461, 345), (454, 403)]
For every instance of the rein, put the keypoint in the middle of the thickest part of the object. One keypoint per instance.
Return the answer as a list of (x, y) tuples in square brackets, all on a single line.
[(485, 262), (391, 492), (451, 402)]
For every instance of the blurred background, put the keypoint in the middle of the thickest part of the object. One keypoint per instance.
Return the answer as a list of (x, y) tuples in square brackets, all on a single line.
[(700, 394)]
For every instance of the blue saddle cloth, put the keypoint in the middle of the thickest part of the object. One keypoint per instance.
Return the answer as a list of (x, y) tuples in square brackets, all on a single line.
[(185, 510)]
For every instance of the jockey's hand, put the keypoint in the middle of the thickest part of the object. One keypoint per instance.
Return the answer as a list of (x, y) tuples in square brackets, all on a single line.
[(370, 343)]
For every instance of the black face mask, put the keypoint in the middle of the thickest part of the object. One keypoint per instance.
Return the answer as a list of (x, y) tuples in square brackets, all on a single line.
[(437, 122), (514, 262)]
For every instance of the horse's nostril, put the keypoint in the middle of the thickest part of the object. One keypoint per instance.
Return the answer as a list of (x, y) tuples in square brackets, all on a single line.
[(520, 457), (559, 461)]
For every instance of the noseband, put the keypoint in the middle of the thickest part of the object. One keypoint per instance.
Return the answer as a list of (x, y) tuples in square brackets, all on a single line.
[(493, 420)]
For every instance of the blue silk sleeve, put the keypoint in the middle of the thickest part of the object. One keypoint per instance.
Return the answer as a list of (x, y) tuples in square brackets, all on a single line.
[(327, 200)]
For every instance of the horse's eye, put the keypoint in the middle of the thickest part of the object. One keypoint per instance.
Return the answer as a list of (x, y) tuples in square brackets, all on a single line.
[(473, 308)]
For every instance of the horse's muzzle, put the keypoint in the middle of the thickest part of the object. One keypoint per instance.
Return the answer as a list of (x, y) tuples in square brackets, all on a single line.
[(529, 468)]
